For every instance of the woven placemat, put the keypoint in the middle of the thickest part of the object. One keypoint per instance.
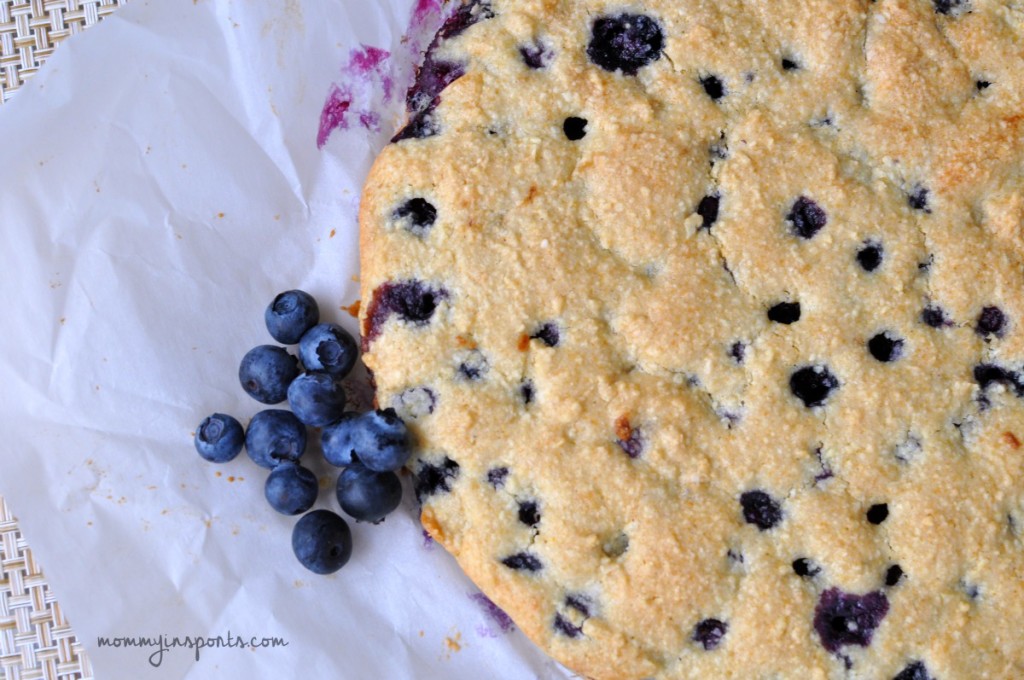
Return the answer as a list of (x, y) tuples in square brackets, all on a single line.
[(31, 29), (36, 641)]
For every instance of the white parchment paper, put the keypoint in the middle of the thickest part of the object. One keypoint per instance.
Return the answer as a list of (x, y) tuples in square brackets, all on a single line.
[(160, 181)]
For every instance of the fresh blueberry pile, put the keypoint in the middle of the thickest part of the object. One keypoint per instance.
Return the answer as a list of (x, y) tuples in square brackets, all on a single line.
[(370, 447)]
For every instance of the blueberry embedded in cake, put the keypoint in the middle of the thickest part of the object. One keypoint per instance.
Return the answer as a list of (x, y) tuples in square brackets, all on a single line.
[(708, 312)]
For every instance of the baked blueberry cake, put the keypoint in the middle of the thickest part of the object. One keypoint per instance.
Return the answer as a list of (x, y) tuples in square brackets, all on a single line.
[(709, 320)]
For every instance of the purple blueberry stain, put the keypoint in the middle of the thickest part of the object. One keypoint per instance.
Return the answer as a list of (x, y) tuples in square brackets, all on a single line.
[(496, 477), (843, 619), (527, 392), (536, 54), (579, 602), (917, 199), (563, 626), (625, 42), (365, 87), (806, 218), (709, 633), (472, 365), (991, 322), (760, 509), (935, 316), (738, 351), (412, 301), (630, 439), (547, 333), (523, 561), (987, 375), (495, 613)]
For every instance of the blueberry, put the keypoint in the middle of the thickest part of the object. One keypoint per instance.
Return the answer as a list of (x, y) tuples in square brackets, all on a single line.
[(709, 633), (547, 333), (982, 85), (580, 603), (523, 561), (991, 321), (713, 87), (336, 440), (291, 314), (273, 437), (738, 351), (317, 399), (625, 42), (417, 216), (529, 513), (893, 575), (566, 627), (785, 313), (987, 374), (536, 54), (878, 513), (265, 373), (435, 478), (935, 317), (870, 256), (322, 542), (805, 568), (806, 218), (914, 670), (848, 619), (575, 128), (473, 365), (813, 384), (950, 7), (527, 392), (918, 199), (379, 439), (886, 347), (219, 438), (366, 495), (708, 210), (760, 509), (789, 64), (329, 348), (291, 489), (412, 301), (496, 477)]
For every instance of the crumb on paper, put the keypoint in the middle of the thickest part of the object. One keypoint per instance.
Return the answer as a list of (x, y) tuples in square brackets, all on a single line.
[(218, 473), (62, 320), (299, 583), (334, 232), (220, 215), (355, 278), (453, 644), (353, 309)]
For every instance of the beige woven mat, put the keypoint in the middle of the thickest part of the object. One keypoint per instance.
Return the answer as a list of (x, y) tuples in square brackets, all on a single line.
[(31, 29), (36, 641)]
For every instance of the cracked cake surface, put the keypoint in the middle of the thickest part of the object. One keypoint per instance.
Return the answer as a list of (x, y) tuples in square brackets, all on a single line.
[(709, 321)]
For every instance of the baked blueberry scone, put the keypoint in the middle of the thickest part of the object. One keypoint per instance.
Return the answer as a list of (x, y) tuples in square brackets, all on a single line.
[(709, 320)]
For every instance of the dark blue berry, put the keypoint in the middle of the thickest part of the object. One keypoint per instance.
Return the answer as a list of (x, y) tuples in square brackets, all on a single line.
[(527, 392), (935, 317), (789, 64), (951, 7), (496, 477), (580, 603), (987, 374), (435, 478), (709, 633), (265, 373), (708, 210), (738, 351), (914, 670), (474, 366), (633, 444), (412, 301), (886, 347), (760, 509), (291, 489), (523, 561), (566, 627), (329, 348), (291, 314), (991, 321), (785, 313), (806, 218), (870, 256), (625, 42), (918, 199), (536, 54), (848, 619), (322, 542), (529, 513), (547, 333), (575, 128), (368, 496), (893, 575), (317, 399), (417, 216), (805, 568), (336, 440), (982, 85), (380, 441), (273, 437), (813, 384), (219, 438), (713, 87), (878, 513)]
